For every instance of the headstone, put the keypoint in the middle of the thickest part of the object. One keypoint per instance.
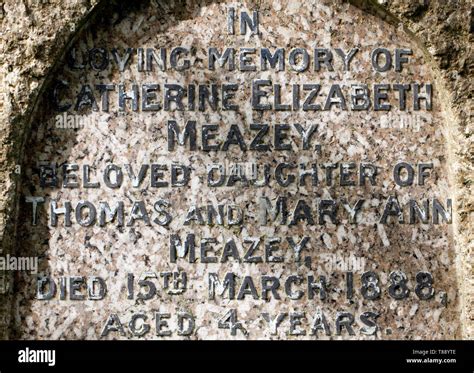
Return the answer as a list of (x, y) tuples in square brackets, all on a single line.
[(220, 170)]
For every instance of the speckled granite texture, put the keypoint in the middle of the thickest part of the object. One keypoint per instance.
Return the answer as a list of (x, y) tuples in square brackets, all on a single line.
[(344, 136)]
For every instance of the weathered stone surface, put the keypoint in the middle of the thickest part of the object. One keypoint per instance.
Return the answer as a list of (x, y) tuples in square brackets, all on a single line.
[(32, 41), (33, 36), (445, 29)]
